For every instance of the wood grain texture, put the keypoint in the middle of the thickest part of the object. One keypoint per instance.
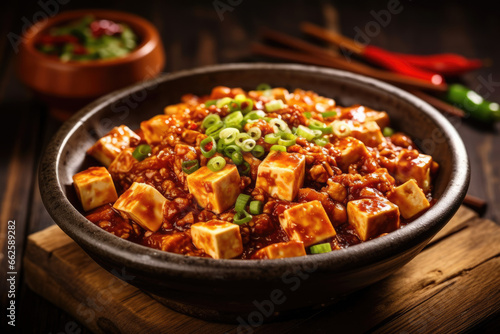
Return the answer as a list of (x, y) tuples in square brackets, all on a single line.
[(448, 287)]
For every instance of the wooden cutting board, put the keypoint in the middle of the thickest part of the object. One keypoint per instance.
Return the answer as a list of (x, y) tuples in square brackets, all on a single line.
[(451, 286)]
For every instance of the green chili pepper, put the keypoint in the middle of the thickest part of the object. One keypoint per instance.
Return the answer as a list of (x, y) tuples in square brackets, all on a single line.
[(472, 103)]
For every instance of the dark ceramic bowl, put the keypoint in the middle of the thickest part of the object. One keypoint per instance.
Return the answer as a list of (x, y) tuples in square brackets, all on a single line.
[(226, 289)]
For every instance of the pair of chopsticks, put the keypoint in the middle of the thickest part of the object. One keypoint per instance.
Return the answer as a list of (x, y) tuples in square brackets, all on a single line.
[(308, 53), (305, 52)]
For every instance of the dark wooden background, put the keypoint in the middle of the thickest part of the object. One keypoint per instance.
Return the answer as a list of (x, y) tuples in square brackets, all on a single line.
[(194, 35)]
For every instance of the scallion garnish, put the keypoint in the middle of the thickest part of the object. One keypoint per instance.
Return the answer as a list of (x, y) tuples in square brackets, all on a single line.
[(241, 218), (287, 139), (322, 141), (321, 248), (263, 86), (241, 202), (279, 125), (216, 164), (210, 120), (329, 114), (256, 207), (248, 145), (254, 133), (258, 151), (141, 152), (190, 166), (209, 141), (272, 138), (307, 133), (237, 158), (274, 105), (278, 148), (387, 132), (244, 168), (234, 119), (229, 135)]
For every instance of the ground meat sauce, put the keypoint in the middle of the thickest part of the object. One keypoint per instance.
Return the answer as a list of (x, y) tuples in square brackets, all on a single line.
[(330, 176)]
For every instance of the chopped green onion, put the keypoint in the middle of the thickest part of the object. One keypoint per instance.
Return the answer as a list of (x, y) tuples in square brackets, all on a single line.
[(214, 129), (258, 151), (248, 145), (274, 105), (321, 248), (244, 168), (240, 97), (307, 133), (387, 132), (246, 106), (141, 152), (210, 153), (234, 106), (326, 129), (279, 125), (329, 114), (240, 138), (237, 158), (223, 102), (254, 133), (287, 139), (278, 148), (210, 120), (229, 135), (254, 115), (221, 146), (272, 138), (308, 114), (341, 128), (209, 103), (316, 125), (190, 166), (229, 150), (233, 119), (263, 86), (256, 207), (321, 141), (241, 218), (216, 164), (241, 202)]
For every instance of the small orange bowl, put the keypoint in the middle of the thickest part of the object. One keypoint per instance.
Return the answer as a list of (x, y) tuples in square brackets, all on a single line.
[(70, 85)]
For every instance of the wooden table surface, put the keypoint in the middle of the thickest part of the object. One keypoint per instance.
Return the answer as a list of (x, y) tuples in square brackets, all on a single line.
[(198, 34)]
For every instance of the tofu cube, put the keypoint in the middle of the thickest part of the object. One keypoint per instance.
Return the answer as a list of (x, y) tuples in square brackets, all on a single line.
[(413, 165), (307, 222), (379, 117), (409, 198), (351, 151), (155, 128), (94, 187), (281, 250), (215, 191), (106, 149), (218, 238), (281, 174), (369, 133), (143, 204), (372, 216)]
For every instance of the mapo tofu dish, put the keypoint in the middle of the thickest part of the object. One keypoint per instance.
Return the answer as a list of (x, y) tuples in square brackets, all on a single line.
[(260, 174)]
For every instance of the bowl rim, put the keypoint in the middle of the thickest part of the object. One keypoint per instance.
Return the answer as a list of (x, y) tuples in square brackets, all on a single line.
[(148, 34), (132, 255)]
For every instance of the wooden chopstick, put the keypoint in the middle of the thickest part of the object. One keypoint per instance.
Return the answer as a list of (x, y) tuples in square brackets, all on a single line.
[(332, 37), (475, 203), (336, 61), (339, 63)]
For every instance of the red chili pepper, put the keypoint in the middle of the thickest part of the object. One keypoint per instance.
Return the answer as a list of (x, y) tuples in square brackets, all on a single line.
[(193, 126), (391, 61), (445, 63)]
